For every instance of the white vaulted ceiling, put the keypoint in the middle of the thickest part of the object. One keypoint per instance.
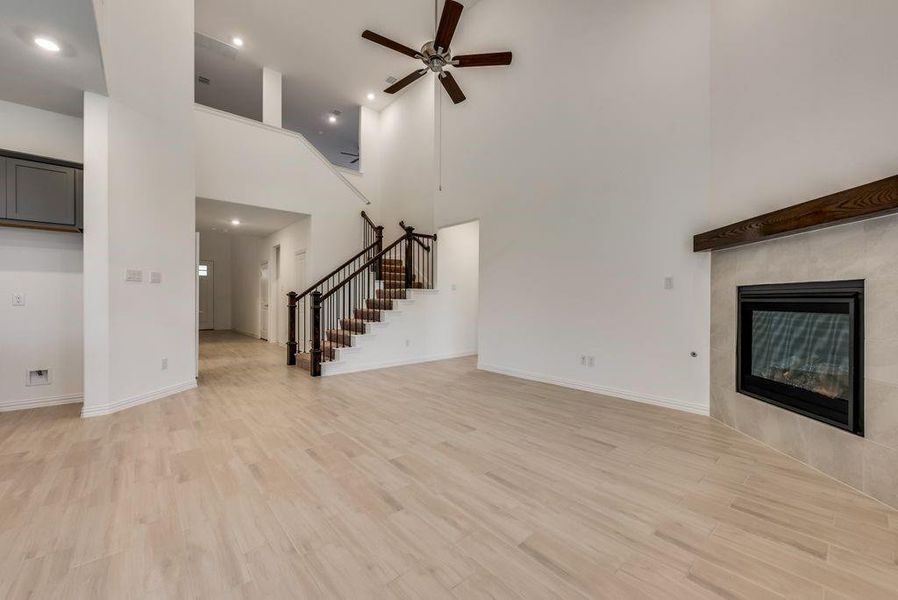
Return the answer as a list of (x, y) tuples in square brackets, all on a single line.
[(318, 47)]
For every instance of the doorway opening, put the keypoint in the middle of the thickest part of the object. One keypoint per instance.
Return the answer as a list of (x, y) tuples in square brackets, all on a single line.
[(458, 279), (264, 293), (248, 258), (206, 312)]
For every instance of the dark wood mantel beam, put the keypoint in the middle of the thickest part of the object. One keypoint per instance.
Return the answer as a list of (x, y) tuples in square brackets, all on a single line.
[(863, 202)]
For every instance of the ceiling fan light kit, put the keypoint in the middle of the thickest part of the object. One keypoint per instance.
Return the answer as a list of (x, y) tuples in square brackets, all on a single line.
[(436, 55)]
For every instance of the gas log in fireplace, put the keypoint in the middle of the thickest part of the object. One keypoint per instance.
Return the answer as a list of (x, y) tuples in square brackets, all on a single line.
[(800, 347)]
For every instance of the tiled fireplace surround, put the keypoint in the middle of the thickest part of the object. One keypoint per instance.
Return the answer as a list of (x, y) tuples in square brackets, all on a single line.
[(867, 250)]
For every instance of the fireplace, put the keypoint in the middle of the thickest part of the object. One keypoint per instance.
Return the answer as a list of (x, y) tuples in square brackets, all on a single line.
[(800, 347)]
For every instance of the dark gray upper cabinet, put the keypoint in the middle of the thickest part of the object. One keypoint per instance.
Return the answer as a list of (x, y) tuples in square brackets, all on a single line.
[(79, 198), (2, 188), (40, 192)]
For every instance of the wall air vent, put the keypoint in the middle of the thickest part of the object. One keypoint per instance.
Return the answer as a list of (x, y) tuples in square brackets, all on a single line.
[(217, 46)]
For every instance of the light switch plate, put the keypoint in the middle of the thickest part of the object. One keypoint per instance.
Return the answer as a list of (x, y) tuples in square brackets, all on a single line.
[(133, 275), (18, 299), (155, 277)]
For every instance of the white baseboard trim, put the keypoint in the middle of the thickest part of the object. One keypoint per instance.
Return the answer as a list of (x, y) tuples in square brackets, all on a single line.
[(108, 409), (398, 363), (252, 334), (10, 405), (598, 389)]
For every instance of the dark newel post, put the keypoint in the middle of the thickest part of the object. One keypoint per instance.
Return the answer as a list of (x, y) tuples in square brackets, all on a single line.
[(409, 255), (379, 238), (291, 328), (316, 334)]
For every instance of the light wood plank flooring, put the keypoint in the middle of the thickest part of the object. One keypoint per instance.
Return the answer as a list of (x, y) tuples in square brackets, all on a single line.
[(428, 482)]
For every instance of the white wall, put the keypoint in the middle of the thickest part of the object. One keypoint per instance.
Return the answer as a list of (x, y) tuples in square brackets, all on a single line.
[(35, 131), (46, 333), (407, 160), (291, 239), (588, 184), (803, 101), (238, 160), (139, 208), (216, 247), (245, 262), (46, 267), (247, 255), (458, 274)]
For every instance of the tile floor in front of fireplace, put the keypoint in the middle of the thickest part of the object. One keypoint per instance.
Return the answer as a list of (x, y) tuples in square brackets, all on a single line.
[(427, 481)]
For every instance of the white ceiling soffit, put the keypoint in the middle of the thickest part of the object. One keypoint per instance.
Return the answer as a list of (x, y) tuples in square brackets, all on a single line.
[(51, 81), (216, 215)]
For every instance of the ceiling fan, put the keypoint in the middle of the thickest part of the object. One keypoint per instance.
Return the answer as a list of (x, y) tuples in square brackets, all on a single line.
[(355, 156), (436, 55)]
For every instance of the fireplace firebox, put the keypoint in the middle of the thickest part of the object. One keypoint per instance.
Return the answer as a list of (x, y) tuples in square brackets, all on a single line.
[(800, 347)]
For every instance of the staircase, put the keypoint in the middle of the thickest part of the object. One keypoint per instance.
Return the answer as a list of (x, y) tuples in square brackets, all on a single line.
[(332, 316)]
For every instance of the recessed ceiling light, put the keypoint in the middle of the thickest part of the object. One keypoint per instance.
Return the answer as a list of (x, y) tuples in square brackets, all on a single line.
[(47, 44), (237, 41), (235, 221), (332, 119), (370, 95)]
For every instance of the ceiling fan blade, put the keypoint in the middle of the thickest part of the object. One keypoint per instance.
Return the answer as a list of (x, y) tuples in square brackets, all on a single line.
[(352, 162), (379, 39), (452, 88), (410, 78), (490, 59), (448, 23), (349, 153)]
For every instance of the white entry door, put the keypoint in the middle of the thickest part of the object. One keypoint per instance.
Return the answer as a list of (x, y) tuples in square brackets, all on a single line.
[(205, 275), (263, 295)]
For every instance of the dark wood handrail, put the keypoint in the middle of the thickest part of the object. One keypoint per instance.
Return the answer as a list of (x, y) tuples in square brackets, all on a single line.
[(368, 220), (335, 271), (361, 269), (411, 231)]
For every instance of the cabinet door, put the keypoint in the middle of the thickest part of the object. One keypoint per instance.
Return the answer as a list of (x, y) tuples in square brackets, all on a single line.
[(40, 192), (79, 198), (2, 188)]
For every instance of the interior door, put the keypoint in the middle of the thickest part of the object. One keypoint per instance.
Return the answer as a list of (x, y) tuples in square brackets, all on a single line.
[(205, 274), (299, 286), (263, 304)]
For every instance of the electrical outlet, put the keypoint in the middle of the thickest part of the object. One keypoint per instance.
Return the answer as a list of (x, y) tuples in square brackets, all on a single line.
[(408, 343), (164, 364), (133, 275), (454, 287), (155, 277), (37, 377), (583, 359), (668, 283), (591, 361), (18, 299)]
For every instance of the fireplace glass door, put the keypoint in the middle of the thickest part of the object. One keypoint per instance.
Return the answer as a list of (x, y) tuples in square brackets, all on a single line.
[(800, 349)]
